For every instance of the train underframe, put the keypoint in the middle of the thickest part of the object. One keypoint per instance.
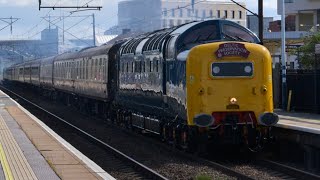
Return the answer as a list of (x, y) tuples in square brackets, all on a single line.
[(176, 132)]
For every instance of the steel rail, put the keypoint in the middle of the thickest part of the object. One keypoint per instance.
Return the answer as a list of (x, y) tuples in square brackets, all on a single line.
[(136, 165)]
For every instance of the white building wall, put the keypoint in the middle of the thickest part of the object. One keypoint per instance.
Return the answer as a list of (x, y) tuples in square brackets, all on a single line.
[(176, 12)]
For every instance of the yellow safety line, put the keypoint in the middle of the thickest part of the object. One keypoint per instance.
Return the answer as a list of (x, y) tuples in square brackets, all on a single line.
[(5, 164)]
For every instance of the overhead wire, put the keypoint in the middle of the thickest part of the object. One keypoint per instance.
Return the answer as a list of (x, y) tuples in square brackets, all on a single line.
[(31, 29)]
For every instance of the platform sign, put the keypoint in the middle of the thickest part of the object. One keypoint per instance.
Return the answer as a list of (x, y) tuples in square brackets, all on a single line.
[(317, 49)]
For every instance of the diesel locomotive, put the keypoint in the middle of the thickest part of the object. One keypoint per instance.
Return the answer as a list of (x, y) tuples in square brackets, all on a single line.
[(208, 81)]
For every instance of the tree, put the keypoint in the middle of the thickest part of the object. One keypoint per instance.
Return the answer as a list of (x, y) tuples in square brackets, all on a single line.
[(307, 51)]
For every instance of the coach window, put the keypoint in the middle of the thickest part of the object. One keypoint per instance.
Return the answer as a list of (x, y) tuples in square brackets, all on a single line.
[(84, 69), (65, 70), (92, 69), (100, 69), (87, 69), (91, 65), (78, 69), (97, 70), (62, 70)]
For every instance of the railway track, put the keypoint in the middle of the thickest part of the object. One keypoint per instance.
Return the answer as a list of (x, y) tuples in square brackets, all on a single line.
[(120, 161), (290, 172), (137, 171), (148, 173)]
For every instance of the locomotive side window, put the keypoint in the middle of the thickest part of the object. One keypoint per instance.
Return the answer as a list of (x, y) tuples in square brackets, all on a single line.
[(156, 66), (144, 66), (237, 32), (132, 67), (122, 67), (137, 66), (150, 65)]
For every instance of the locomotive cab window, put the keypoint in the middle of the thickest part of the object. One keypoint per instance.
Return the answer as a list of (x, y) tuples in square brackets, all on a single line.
[(236, 33), (232, 69)]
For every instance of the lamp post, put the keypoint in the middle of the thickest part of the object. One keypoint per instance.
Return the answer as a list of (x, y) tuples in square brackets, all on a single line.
[(283, 57)]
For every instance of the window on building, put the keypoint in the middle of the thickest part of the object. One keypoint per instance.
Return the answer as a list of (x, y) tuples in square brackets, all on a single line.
[(186, 21), (179, 22), (181, 12), (203, 14), (240, 14), (189, 12), (171, 23), (288, 1), (233, 14), (197, 13), (165, 12), (218, 14), (225, 14), (172, 12), (164, 23), (211, 13)]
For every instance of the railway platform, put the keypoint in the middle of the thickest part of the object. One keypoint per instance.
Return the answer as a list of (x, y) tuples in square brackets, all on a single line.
[(31, 150), (304, 122)]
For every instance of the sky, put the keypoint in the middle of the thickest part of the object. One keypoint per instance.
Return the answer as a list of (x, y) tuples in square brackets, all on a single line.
[(30, 23)]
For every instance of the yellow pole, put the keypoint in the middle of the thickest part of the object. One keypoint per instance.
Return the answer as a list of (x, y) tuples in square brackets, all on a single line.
[(289, 100)]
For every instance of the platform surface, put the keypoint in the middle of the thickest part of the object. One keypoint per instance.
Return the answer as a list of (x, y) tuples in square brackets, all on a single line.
[(31, 150), (305, 122)]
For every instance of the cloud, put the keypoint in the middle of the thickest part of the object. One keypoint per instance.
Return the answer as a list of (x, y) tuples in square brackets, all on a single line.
[(17, 2)]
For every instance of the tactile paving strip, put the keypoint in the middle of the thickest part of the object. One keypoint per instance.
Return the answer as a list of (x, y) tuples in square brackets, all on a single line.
[(38, 164), (18, 164)]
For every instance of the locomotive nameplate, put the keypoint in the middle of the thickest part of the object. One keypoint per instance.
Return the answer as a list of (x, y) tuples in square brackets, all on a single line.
[(232, 49)]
